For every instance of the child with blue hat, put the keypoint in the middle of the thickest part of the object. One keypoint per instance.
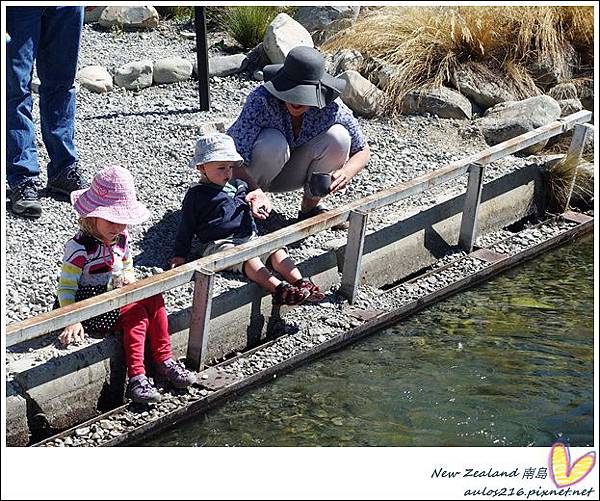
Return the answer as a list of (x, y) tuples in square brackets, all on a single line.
[(216, 211)]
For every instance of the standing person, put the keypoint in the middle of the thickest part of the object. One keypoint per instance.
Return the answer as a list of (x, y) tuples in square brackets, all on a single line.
[(98, 259), (293, 125), (216, 212), (48, 37)]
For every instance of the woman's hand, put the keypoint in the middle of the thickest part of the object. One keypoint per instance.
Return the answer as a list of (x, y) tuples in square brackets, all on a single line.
[(259, 203), (339, 179), (72, 334), (176, 261)]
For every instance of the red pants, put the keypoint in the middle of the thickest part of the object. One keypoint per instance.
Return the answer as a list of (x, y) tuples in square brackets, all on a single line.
[(147, 317)]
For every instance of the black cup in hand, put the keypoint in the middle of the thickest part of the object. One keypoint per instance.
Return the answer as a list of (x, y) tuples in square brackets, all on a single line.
[(319, 184)]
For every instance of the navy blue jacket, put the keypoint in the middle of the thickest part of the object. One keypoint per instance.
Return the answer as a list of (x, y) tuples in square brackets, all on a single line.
[(211, 214)]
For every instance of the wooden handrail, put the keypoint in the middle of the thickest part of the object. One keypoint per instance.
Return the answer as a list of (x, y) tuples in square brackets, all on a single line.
[(40, 325)]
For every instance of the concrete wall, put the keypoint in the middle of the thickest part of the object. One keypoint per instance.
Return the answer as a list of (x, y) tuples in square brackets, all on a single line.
[(51, 395)]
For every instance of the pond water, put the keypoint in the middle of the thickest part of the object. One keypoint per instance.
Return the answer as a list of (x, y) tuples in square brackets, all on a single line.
[(507, 363)]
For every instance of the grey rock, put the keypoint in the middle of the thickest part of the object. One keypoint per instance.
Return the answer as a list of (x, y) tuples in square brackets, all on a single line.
[(134, 76), (549, 71), (346, 59), (486, 86), (360, 95), (82, 432), (563, 91), (585, 91), (508, 120), (443, 102), (324, 21), (282, 35), (92, 14), (569, 106), (172, 69), (95, 78), (226, 65), (143, 17)]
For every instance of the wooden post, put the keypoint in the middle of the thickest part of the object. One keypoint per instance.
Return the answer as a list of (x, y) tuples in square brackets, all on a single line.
[(580, 136), (353, 254), (202, 58), (201, 306), (468, 225)]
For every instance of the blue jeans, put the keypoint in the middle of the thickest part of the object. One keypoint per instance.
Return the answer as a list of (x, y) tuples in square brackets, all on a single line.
[(50, 37)]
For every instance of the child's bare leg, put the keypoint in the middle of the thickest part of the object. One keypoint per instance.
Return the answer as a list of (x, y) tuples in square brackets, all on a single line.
[(282, 263), (257, 272)]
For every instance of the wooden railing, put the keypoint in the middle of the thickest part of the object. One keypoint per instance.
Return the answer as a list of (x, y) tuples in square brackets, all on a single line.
[(202, 270)]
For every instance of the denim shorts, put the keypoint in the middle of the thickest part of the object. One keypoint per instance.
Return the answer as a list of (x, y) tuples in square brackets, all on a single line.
[(228, 243)]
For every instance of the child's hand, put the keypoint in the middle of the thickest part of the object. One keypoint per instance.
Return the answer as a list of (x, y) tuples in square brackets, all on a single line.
[(128, 279), (177, 261), (72, 333), (260, 204)]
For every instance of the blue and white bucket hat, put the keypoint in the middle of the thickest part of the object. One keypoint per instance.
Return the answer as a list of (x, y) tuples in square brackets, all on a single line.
[(216, 147)]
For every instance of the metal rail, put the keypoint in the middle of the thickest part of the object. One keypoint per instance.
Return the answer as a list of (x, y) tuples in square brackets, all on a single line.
[(202, 269)]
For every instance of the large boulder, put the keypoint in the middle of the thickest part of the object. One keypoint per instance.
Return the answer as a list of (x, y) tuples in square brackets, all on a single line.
[(443, 102), (486, 86), (549, 71), (511, 119), (92, 14), (282, 35), (563, 91), (172, 69), (324, 21), (344, 60), (142, 17), (569, 106), (134, 76), (257, 58), (221, 66), (95, 78), (585, 91), (360, 95)]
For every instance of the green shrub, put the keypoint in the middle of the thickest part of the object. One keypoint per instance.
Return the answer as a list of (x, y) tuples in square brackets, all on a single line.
[(247, 24), (178, 13)]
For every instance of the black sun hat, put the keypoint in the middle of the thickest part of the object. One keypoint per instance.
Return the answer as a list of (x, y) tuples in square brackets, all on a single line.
[(302, 79)]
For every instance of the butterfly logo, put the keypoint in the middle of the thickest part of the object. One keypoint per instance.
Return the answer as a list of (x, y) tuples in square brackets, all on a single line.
[(565, 473)]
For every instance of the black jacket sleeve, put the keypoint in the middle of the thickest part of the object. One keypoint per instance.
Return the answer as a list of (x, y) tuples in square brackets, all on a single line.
[(185, 231)]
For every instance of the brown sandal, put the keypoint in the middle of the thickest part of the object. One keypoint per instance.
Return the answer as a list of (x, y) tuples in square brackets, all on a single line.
[(315, 292), (289, 295)]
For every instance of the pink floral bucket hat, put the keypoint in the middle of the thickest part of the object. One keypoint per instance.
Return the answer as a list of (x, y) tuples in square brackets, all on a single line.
[(111, 196)]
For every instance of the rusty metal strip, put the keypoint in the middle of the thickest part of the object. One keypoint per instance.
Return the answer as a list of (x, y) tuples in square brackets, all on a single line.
[(488, 255), (576, 217)]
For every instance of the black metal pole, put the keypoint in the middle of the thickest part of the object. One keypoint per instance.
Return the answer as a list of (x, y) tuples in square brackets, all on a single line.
[(202, 55)]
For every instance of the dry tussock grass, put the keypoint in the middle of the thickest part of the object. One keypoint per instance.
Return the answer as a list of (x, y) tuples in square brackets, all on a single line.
[(426, 44)]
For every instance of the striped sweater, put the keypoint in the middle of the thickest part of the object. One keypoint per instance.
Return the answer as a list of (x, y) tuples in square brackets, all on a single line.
[(89, 262)]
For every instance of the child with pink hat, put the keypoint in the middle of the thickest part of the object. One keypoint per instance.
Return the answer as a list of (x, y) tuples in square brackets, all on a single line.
[(98, 259)]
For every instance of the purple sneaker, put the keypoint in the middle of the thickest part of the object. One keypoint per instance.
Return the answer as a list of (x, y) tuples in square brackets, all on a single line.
[(141, 390), (175, 373)]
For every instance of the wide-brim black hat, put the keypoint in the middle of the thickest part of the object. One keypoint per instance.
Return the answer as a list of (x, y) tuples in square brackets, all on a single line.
[(302, 79)]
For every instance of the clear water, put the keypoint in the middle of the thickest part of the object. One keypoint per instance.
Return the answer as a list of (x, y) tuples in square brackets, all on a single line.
[(507, 363)]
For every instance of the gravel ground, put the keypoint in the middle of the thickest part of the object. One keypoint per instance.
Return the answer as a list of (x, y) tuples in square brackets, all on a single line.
[(152, 133), (308, 326)]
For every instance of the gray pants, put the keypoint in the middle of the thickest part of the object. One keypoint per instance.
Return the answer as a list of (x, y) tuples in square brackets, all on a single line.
[(275, 169)]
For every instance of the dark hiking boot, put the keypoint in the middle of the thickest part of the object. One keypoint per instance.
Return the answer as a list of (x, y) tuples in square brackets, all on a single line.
[(141, 390), (25, 200), (68, 180), (175, 373)]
